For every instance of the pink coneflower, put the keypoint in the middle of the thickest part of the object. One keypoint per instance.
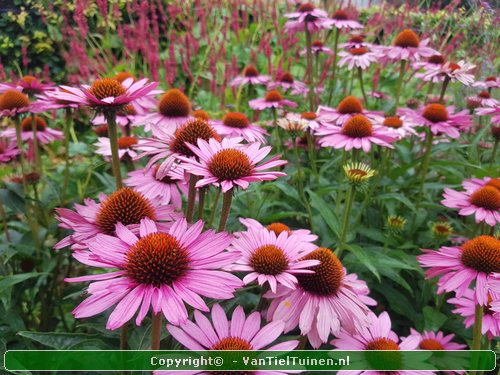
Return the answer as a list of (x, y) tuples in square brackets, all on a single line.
[(483, 203), (493, 111), (356, 41), (475, 261), (439, 119), (323, 302), (106, 93), (238, 334), (360, 57), (13, 103), (228, 165), (8, 150), (407, 46), (398, 126), (126, 147), (494, 286), (452, 72), (143, 104), (488, 83), (299, 122), (273, 99), (303, 235), (174, 109), (165, 189), (472, 184), (287, 82), (340, 20), (126, 206), (482, 99), (358, 132), (236, 124), (316, 19), (377, 336), (429, 340), (432, 62), (28, 85), (466, 306), (44, 134), (250, 76), (317, 47), (49, 101), (347, 108), (158, 269), (168, 147), (271, 258)]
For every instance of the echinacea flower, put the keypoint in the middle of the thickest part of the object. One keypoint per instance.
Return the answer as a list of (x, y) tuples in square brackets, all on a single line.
[(439, 119), (493, 111), (44, 134), (356, 41), (106, 93), (488, 83), (317, 47), (168, 147), (482, 99), (125, 206), (307, 14), (398, 126), (144, 103), (13, 103), (442, 229), (360, 57), (358, 173), (377, 336), (483, 203), (49, 101), (240, 333), (230, 165), (429, 340), (407, 46), (158, 269), (340, 20), (236, 124), (452, 72), (124, 117), (433, 62), (348, 107), (357, 133), (292, 124), (166, 189), (286, 82), (250, 76), (8, 150), (270, 258), (273, 99), (324, 302), (28, 85), (472, 184), (466, 306), (126, 147), (396, 223), (477, 260), (174, 110), (303, 235)]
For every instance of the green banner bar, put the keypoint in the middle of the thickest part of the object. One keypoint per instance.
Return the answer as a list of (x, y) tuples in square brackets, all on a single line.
[(310, 360)]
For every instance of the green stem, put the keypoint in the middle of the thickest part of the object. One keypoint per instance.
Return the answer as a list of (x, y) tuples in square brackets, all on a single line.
[(21, 156), (214, 208), (113, 142), (399, 85), (276, 130), (351, 83), (67, 126), (36, 146), (360, 77), (201, 202), (345, 220), (334, 68), (494, 153), (4, 222), (309, 67), (156, 331), (227, 198), (311, 149), (302, 343), (124, 337), (443, 89), (191, 198), (301, 187)]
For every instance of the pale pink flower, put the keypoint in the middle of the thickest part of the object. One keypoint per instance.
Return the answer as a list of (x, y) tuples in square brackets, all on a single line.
[(240, 333), (166, 189), (451, 71), (322, 303), (398, 126), (458, 267), (407, 46), (157, 269), (488, 83), (317, 47), (493, 111), (286, 82), (307, 14), (126, 147), (432, 62), (236, 124), (429, 340), (250, 76), (340, 20), (229, 164), (270, 258), (347, 108), (358, 57), (28, 85), (8, 150), (273, 99), (44, 134)]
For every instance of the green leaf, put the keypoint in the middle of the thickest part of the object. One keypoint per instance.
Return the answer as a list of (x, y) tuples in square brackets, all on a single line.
[(8, 281), (64, 340), (326, 211), (363, 257), (433, 319)]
